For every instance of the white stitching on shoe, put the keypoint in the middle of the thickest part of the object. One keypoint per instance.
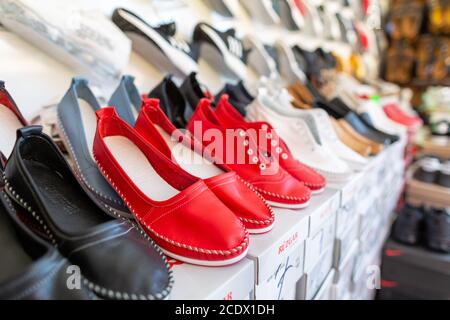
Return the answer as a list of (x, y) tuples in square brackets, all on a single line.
[(235, 250), (77, 172), (91, 285)]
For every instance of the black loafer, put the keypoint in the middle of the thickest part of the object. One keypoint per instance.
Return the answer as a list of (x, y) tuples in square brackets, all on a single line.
[(172, 101), (77, 123), (238, 96), (438, 229), (32, 269), (116, 258), (408, 225), (192, 90)]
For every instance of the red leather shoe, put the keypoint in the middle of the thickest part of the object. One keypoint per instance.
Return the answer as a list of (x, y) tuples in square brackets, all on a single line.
[(237, 150), (229, 117), (10, 120), (237, 194), (397, 115), (179, 211)]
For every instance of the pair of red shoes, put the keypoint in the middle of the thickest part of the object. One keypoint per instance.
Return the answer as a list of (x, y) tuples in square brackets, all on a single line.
[(396, 114), (195, 211), (271, 168)]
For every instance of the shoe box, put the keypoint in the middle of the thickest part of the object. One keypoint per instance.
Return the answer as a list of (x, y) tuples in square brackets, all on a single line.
[(234, 282), (325, 291), (344, 242), (298, 236), (312, 280), (414, 272), (342, 281)]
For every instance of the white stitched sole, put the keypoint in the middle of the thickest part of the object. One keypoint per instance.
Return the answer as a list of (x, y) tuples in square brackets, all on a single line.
[(207, 263), (8, 127), (289, 206), (261, 230), (139, 169), (318, 191)]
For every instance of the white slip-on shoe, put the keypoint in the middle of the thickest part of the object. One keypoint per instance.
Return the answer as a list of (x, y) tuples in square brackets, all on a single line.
[(298, 137)]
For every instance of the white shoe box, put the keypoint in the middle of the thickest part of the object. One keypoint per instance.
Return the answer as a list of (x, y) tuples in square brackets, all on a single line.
[(371, 236), (281, 284), (311, 281), (234, 282), (270, 251), (343, 277), (343, 243), (320, 240), (325, 291)]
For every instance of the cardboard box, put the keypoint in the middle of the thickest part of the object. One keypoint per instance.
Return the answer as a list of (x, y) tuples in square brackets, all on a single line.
[(342, 282), (325, 291), (233, 282), (343, 244), (319, 241), (282, 282), (311, 281), (291, 229)]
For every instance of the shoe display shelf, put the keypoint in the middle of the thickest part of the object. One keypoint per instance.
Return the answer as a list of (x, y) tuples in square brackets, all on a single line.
[(325, 251)]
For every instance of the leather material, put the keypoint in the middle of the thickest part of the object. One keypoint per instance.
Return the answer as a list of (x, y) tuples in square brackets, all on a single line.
[(38, 271), (313, 180), (375, 146), (115, 259), (270, 179), (126, 98), (360, 127), (193, 91), (200, 229), (235, 193), (350, 141), (172, 102), (85, 168), (238, 96), (8, 101)]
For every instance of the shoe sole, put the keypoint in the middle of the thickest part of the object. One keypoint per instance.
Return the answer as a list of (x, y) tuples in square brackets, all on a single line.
[(318, 191), (207, 263), (288, 206), (261, 230)]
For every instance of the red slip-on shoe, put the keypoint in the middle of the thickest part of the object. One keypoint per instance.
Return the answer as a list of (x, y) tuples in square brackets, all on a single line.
[(397, 115), (229, 116), (238, 151), (178, 211), (10, 120), (237, 194)]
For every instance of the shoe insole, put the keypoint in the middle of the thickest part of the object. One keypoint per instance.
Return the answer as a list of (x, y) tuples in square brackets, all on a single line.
[(71, 210), (189, 160), (89, 120), (139, 169), (13, 255), (8, 127)]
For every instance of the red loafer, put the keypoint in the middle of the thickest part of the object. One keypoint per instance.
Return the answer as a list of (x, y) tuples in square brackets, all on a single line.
[(238, 195), (229, 116), (183, 216), (237, 150), (10, 120)]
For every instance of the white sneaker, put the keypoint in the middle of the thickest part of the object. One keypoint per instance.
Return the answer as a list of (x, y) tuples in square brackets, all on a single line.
[(299, 139)]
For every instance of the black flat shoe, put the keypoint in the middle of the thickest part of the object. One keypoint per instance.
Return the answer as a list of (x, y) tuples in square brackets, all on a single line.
[(408, 225), (192, 90), (31, 269), (438, 229), (116, 258), (238, 96)]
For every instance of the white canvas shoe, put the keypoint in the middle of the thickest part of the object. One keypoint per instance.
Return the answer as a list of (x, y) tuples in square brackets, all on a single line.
[(298, 137)]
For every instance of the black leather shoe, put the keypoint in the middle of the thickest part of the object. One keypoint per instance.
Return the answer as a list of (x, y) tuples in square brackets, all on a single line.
[(32, 269), (408, 225), (238, 96), (172, 102), (116, 258), (192, 90), (438, 229)]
